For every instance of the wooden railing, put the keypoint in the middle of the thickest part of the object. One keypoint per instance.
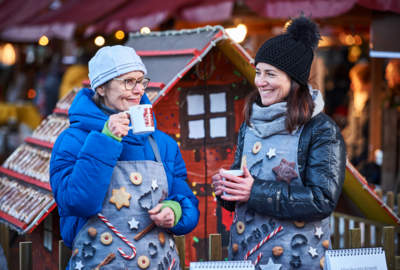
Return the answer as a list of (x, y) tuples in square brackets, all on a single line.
[(348, 232)]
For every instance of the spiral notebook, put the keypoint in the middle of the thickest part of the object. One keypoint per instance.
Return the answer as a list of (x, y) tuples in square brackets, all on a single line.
[(355, 259), (231, 265)]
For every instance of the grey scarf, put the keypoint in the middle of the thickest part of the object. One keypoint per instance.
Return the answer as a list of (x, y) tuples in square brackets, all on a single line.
[(270, 120)]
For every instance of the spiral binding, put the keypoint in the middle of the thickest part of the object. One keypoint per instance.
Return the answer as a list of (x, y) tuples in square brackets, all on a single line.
[(354, 252), (242, 265)]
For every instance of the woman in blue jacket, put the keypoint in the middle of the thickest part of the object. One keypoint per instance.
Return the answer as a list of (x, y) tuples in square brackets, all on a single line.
[(120, 195)]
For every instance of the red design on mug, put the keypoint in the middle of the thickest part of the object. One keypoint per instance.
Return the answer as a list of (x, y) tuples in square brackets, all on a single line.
[(148, 117)]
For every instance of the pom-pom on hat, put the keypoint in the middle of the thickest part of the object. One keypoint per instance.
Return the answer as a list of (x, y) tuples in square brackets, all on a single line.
[(112, 61), (292, 51)]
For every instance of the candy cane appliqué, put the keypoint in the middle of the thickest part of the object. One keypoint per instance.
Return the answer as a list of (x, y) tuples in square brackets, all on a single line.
[(262, 242), (123, 238)]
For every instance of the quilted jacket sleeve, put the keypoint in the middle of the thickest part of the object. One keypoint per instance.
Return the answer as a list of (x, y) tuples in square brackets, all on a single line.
[(181, 193), (80, 171), (323, 177)]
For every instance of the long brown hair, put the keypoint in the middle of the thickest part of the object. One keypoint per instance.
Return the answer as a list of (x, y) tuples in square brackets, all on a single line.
[(300, 106)]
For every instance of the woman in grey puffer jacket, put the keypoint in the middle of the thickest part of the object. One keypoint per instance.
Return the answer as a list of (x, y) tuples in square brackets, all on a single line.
[(293, 160)]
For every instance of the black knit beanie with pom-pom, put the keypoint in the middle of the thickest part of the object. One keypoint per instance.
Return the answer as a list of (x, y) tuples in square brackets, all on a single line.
[(292, 51)]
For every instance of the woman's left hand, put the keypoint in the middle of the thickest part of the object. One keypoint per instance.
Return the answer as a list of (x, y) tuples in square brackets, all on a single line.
[(162, 218), (238, 187)]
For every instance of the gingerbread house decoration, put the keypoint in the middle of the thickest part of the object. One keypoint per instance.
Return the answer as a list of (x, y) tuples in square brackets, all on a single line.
[(200, 78)]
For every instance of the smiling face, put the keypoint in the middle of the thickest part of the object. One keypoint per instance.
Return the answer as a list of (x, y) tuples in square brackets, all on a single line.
[(273, 84), (117, 97)]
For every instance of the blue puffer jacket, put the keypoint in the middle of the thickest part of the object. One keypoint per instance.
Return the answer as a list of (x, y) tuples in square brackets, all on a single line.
[(83, 160)]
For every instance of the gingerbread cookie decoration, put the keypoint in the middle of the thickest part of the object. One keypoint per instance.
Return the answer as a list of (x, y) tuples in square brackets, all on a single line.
[(256, 147), (240, 227), (136, 178), (120, 197), (143, 262), (285, 171), (106, 238)]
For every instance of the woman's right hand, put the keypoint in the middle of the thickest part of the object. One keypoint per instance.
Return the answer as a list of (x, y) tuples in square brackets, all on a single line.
[(118, 124), (217, 184)]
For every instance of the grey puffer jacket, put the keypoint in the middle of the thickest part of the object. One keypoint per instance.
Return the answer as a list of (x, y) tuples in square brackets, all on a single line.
[(321, 163)]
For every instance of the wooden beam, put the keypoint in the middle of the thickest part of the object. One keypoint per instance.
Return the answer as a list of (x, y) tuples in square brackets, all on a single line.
[(5, 240), (215, 247), (375, 110), (25, 255)]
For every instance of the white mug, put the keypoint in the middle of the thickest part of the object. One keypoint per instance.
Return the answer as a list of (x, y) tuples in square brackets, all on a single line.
[(234, 173), (141, 118)]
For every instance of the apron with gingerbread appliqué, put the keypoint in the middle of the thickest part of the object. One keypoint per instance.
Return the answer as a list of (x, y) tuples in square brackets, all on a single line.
[(268, 242), (119, 237)]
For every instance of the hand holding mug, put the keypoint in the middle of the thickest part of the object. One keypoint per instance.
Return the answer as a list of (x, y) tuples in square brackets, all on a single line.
[(141, 117), (118, 124), (217, 184), (238, 187), (162, 218)]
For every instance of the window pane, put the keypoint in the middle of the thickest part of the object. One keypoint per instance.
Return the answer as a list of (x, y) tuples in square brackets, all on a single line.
[(218, 102), (218, 127), (196, 129), (195, 104)]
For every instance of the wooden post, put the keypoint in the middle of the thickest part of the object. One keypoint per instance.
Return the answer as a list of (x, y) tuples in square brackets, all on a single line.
[(389, 149), (336, 234), (398, 204), (378, 236), (346, 233), (379, 193), (367, 235), (388, 245), (64, 254), (355, 238), (397, 259), (375, 110), (5, 240), (215, 247), (180, 245), (25, 255), (390, 199)]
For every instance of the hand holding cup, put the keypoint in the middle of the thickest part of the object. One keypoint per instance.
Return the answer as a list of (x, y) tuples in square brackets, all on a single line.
[(118, 124), (236, 187), (141, 117)]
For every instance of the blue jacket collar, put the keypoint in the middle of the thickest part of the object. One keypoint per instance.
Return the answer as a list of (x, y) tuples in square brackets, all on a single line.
[(86, 115)]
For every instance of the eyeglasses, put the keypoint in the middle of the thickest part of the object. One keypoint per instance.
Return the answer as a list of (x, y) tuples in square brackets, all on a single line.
[(131, 83)]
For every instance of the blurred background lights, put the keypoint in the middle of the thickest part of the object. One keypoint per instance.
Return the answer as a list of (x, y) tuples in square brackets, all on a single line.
[(238, 33), (145, 30), (8, 55), (43, 41), (119, 35), (99, 41), (325, 41)]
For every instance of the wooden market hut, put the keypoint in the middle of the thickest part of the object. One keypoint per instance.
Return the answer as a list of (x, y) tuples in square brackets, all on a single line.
[(26, 200), (201, 78)]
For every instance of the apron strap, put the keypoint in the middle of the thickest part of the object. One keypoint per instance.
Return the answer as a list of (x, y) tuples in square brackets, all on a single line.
[(154, 146)]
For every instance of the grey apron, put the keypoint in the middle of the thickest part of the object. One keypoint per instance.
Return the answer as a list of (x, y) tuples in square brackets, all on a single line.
[(299, 244), (146, 183)]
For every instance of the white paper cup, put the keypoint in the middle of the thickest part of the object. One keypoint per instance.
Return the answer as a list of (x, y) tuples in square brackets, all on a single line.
[(141, 118), (234, 173)]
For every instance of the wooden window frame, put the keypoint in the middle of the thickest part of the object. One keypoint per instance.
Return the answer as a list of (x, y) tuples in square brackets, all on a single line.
[(206, 90)]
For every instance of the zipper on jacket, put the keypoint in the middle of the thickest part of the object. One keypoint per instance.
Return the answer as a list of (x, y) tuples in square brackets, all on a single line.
[(278, 197)]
